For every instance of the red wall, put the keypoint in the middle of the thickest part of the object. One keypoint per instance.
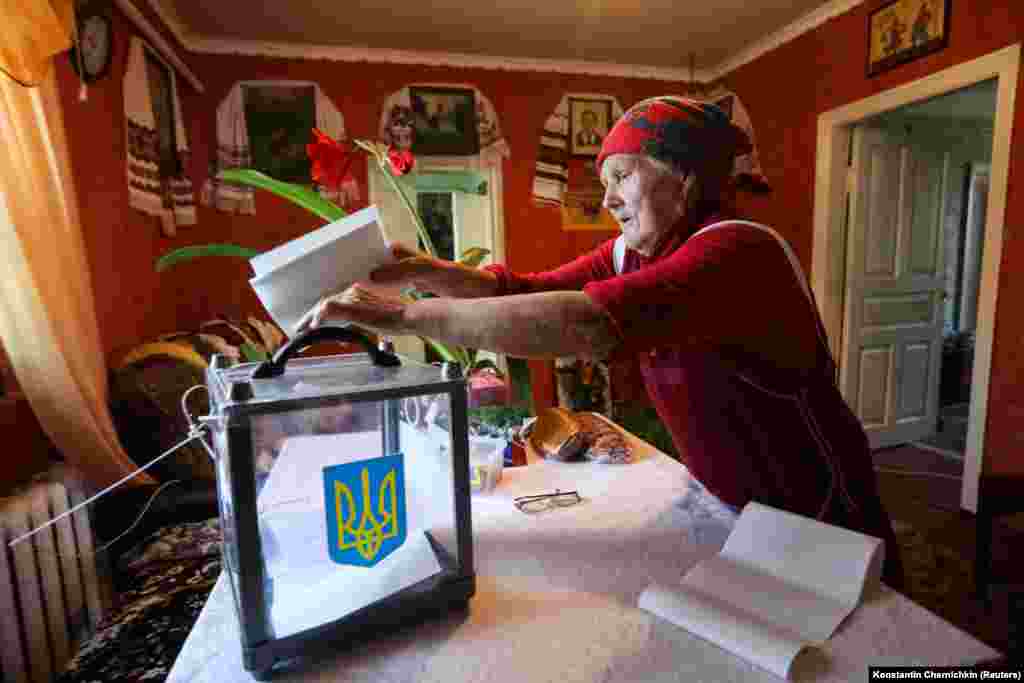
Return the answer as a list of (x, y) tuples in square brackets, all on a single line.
[(135, 303), (785, 91)]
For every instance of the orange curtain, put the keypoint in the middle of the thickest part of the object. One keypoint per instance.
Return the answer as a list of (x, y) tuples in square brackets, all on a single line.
[(31, 32), (47, 316)]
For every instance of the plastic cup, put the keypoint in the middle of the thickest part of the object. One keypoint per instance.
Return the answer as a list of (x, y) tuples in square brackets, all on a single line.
[(486, 461)]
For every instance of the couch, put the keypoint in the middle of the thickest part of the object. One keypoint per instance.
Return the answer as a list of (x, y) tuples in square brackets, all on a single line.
[(163, 553)]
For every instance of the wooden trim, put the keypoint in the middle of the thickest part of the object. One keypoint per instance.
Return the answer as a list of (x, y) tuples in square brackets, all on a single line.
[(157, 40), (829, 248)]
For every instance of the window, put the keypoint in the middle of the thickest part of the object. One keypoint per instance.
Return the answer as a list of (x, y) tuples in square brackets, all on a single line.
[(437, 211), (456, 218)]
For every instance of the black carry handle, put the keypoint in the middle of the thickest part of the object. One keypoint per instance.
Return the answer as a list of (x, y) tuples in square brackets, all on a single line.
[(275, 366)]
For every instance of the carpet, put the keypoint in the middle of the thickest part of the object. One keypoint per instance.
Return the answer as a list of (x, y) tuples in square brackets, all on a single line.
[(166, 581), (921, 491), (951, 431)]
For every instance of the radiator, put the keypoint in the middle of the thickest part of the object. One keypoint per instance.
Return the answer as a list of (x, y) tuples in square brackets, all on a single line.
[(50, 592)]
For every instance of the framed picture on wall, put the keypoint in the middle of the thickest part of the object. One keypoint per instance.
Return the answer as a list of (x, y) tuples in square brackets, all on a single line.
[(444, 121), (584, 193), (279, 119), (589, 122), (902, 30)]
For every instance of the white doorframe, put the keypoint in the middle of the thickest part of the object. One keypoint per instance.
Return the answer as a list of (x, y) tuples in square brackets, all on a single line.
[(829, 248)]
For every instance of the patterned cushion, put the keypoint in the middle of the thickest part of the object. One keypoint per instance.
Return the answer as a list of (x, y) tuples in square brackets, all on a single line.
[(147, 382), (170, 575)]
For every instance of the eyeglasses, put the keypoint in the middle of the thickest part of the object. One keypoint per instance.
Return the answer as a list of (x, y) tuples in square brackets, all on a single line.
[(544, 501)]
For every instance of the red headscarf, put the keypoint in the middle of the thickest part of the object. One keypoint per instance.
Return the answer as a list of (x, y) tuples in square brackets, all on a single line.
[(688, 135)]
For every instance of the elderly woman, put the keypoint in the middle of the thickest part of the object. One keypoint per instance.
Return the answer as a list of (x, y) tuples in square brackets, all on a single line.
[(716, 312)]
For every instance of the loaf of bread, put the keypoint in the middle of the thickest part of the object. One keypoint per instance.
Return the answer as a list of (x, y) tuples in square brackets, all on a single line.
[(558, 434), (555, 435), (605, 443)]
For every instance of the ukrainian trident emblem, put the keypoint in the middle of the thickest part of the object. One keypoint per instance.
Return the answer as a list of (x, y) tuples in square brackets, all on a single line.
[(365, 504)]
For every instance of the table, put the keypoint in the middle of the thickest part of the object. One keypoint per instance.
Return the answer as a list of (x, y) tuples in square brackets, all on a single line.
[(557, 591)]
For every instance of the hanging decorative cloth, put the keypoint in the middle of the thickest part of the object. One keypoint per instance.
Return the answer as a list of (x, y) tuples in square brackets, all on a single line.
[(158, 155), (551, 177), (234, 146), (747, 172), (397, 122)]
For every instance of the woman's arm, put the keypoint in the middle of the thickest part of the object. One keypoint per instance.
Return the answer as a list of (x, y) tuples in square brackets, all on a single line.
[(542, 325), (448, 278)]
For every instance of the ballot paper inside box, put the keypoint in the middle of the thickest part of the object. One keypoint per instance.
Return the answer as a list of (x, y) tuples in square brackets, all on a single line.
[(342, 515)]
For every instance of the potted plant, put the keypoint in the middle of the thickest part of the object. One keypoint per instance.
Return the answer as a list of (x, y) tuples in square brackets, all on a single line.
[(332, 162)]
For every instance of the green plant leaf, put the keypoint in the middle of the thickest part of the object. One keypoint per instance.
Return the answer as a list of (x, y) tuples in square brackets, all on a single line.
[(450, 353), (252, 353), (300, 195), (473, 256), (499, 417), (442, 350), (416, 294), (183, 254), (463, 356)]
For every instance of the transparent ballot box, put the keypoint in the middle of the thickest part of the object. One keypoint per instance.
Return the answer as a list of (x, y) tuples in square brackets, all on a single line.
[(344, 494)]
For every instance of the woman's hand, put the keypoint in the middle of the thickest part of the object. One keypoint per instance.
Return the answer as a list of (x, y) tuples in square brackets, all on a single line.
[(437, 276), (357, 304), (413, 268)]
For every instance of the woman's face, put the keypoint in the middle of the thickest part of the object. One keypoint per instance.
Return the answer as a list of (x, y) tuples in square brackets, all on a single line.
[(646, 201)]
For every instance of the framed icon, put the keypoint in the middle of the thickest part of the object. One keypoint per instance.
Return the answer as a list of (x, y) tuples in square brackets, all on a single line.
[(444, 121), (589, 122), (903, 30)]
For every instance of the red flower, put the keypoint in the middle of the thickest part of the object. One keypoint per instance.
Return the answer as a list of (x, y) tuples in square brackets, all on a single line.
[(331, 160), (401, 161)]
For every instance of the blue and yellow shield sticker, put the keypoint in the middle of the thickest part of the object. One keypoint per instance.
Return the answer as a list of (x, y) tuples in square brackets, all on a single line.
[(365, 503)]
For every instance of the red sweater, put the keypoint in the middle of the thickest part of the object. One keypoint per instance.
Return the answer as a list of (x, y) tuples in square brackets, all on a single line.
[(736, 362)]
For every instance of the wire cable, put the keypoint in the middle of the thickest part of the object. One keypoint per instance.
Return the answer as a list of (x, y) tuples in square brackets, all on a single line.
[(195, 432), (184, 404), (192, 423), (141, 515)]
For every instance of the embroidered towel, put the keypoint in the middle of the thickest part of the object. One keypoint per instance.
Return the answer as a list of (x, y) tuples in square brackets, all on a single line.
[(233, 149), (163, 192), (551, 175)]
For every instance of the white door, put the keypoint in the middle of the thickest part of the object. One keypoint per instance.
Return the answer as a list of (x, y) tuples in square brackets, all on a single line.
[(892, 331)]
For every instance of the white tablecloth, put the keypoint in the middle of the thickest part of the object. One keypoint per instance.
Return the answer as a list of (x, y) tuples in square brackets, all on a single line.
[(557, 591)]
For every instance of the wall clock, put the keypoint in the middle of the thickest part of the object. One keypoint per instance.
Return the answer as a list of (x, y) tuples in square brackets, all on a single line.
[(95, 41)]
